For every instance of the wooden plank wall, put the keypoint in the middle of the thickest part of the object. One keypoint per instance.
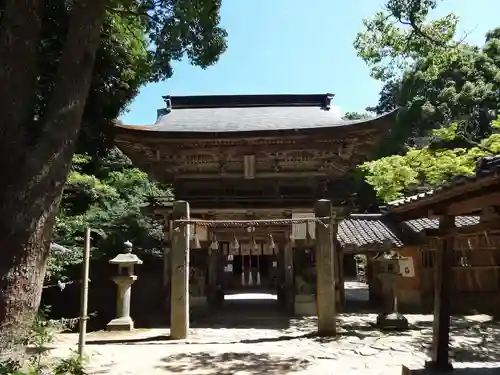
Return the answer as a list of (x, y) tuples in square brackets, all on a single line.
[(476, 267)]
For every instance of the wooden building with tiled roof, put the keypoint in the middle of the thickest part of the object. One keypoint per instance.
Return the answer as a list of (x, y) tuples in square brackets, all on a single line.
[(461, 264), (253, 151), (235, 157)]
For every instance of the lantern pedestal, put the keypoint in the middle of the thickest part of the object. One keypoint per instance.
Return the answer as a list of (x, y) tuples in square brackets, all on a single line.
[(388, 272), (123, 321), (121, 324), (124, 281), (393, 320)]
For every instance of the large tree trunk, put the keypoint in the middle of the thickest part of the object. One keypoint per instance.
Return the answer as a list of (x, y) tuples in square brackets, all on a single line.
[(36, 171)]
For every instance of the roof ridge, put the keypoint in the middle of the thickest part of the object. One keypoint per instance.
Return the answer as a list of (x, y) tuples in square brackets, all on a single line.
[(247, 101)]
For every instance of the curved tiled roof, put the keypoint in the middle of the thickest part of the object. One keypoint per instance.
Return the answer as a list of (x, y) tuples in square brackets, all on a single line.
[(420, 225), (247, 113), (366, 230), (376, 232), (248, 119)]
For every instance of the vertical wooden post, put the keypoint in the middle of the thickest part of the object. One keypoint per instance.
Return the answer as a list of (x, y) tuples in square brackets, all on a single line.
[(325, 270), (339, 274), (442, 296), (179, 308), (213, 259), (84, 297), (289, 288)]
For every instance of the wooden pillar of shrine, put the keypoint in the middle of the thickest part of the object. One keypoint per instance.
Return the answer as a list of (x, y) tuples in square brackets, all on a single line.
[(288, 287), (339, 271), (179, 257), (442, 296), (325, 270), (214, 260)]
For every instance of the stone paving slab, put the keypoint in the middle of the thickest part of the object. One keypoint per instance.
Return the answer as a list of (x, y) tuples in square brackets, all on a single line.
[(359, 348)]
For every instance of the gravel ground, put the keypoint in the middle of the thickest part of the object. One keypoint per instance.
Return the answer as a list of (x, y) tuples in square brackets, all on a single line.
[(251, 337), (288, 348)]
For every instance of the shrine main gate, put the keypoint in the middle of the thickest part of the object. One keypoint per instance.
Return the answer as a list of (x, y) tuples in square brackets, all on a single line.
[(179, 273), (252, 168)]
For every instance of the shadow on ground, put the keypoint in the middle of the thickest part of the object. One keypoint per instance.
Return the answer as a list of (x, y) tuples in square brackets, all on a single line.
[(466, 371), (238, 314), (232, 363), (472, 339)]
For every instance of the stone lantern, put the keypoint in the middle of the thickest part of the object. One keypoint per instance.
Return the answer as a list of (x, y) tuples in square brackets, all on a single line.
[(124, 280), (387, 269)]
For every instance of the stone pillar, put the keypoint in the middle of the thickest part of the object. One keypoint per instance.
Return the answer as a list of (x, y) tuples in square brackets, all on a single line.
[(124, 281), (179, 279), (442, 297), (325, 282), (167, 235)]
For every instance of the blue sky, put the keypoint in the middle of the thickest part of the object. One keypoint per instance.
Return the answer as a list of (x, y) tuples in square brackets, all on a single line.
[(283, 46)]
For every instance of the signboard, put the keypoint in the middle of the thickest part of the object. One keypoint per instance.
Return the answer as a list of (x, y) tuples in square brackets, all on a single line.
[(299, 229), (406, 267)]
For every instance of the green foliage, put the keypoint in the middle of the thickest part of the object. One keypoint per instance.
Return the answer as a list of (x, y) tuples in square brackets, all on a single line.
[(396, 38), (73, 365), (139, 41), (106, 194), (448, 93), (356, 116), (432, 76), (42, 334), (395, 176), (122, 66)]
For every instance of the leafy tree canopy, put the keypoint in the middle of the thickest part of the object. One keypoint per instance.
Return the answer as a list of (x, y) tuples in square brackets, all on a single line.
[(448, 93), (432, 75), (394, 176), (106, 194)]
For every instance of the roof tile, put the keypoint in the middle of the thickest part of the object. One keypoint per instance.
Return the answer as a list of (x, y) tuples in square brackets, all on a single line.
[(373, 231), (366, 231)]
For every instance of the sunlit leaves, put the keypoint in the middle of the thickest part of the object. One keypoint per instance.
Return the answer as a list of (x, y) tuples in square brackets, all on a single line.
[(430, 73), (179, 28), (395, 38), (395, 176), (356, 116)]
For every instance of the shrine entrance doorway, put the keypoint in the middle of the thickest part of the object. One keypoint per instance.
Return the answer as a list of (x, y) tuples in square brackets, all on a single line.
[(251, 274)]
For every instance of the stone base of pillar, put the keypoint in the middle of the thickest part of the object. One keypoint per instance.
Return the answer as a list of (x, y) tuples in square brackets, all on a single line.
[(305, 305), (120, 324)]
